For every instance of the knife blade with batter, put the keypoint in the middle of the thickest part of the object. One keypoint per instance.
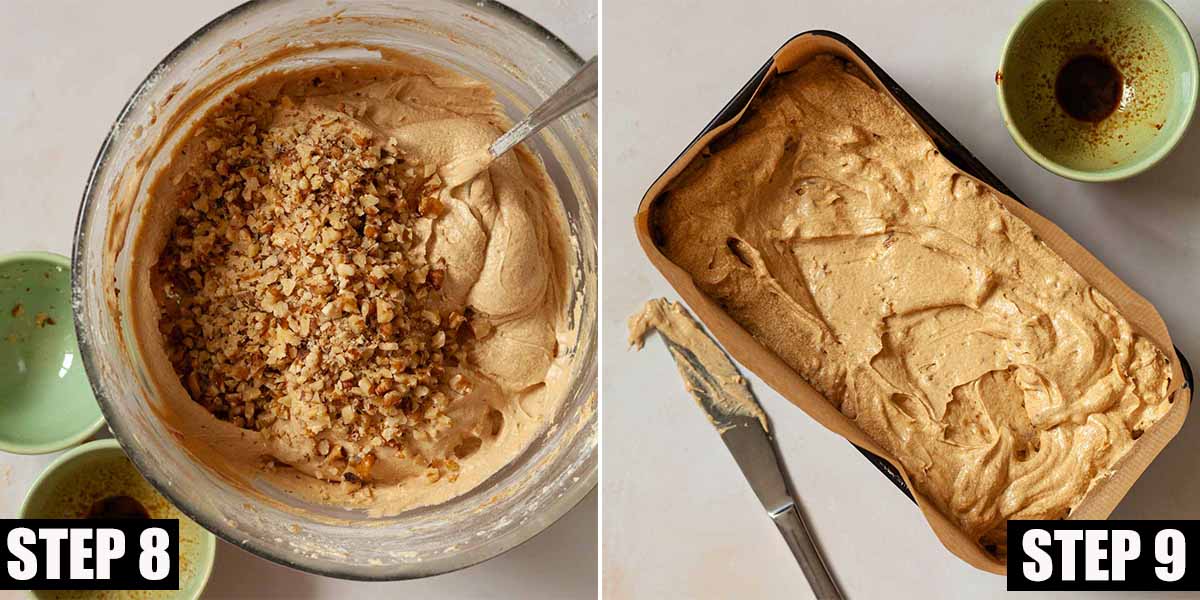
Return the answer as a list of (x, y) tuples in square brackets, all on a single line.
[(726, 397)]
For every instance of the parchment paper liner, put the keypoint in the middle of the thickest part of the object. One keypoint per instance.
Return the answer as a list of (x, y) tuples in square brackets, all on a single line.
[(1104, 496)]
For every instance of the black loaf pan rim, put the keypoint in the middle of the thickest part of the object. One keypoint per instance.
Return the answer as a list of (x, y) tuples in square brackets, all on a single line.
[(947, 144)]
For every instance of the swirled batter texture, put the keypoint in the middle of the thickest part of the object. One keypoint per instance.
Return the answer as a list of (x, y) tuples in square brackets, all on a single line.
[(827, 224), (319, 307)]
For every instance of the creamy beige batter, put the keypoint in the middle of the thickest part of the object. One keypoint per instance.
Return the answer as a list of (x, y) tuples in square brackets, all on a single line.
[(503, 242), (729, 396), (828, 225)]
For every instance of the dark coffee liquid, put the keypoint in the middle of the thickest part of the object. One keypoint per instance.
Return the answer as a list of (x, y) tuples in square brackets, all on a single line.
[(118, 507), (1089, 87)]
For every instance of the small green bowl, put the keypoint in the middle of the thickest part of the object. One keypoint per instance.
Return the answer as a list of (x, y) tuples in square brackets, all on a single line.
[(46, 402), (1154, 52), (100, 469)]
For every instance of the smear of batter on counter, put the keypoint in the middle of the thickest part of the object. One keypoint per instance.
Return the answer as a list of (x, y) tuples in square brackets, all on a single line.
[(310, 294), (731, 395), (828, 225)]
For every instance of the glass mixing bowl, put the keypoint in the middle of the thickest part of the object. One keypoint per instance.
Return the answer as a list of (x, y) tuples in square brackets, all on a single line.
[(524, 63)]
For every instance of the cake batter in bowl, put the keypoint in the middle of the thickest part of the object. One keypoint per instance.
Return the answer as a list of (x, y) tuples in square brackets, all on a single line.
[(360, 514)]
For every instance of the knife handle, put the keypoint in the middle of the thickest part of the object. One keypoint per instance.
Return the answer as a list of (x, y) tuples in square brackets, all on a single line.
[(795, 532)]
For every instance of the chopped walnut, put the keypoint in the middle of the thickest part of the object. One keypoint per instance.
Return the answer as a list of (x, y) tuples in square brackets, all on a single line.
[(295, 284)]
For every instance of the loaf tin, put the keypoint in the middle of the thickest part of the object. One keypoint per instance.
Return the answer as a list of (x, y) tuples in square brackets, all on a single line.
[(829, 42)]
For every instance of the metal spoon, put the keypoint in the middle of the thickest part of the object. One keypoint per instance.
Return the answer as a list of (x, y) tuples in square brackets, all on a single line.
[(581, 87)]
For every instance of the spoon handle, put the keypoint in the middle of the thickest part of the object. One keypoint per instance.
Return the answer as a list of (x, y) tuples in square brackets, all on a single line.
[(580, 88)]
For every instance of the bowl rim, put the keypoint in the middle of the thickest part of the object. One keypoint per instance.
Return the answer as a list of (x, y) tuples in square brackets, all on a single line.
[(1177, 131), (103, 445), (574, 494), (71, 439)]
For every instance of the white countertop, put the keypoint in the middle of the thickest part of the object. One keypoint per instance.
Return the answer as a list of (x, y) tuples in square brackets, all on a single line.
[(67, 69), (679, 519)]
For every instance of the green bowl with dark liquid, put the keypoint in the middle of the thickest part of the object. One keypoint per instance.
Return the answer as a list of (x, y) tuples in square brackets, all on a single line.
[(1098, 90), (97, 480)]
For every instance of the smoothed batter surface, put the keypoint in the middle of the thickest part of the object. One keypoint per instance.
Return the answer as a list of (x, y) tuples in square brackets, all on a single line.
[(319, 308), (828, 225)]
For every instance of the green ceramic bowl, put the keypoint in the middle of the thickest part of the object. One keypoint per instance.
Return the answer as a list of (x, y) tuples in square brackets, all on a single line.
[(82, 476), (46, 403), (1149, 45)]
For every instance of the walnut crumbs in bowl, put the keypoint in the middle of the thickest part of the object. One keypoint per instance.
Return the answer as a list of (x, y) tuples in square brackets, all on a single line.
[(305, 337), (292, 285)]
